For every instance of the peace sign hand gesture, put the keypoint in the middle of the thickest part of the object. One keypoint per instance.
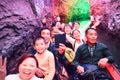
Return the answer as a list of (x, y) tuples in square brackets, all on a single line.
[(2, 68)]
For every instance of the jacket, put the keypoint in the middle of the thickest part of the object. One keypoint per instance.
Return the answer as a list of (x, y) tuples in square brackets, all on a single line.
[(83, 55)]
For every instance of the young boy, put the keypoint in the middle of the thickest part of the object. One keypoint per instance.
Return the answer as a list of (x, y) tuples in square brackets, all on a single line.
[(45, 59)]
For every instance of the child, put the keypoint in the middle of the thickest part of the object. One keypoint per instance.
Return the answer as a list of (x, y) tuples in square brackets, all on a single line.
[(45, 59)]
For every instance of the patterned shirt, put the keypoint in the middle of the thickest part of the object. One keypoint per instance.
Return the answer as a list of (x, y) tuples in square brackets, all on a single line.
[(91, 50)]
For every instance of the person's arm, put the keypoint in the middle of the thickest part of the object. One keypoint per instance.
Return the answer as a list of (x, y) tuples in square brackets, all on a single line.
[(96, 24), (108, 55), (70, 39), (76, 61), (2, 68), (107, 59), (51, 68)]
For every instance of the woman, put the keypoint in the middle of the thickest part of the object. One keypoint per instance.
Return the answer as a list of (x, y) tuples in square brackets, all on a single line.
[(67, 30), (76, 25), (27, 66), (76, 40)]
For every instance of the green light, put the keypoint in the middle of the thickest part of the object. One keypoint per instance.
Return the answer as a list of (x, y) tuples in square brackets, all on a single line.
[(79, 11)]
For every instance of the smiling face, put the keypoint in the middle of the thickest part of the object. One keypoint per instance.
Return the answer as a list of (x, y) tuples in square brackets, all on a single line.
[(76, 34), (46, 35), (67, 29), (91, 36), (27, 68), (40, 45), (76, 25)]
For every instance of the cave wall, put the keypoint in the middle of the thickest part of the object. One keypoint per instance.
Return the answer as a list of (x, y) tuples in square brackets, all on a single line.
[(108, 11), (20, 21), (17, 29)]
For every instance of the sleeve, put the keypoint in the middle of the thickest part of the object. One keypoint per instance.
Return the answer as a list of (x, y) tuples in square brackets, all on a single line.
[(51, 68), (54, 51), (76, 60), (70, 39), (108, 55)]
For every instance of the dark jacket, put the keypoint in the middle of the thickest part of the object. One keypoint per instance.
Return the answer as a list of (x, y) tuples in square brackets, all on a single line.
[(83, 56)]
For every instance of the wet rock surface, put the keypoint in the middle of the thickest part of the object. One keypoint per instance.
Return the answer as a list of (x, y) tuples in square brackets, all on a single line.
[(109, 30), (20, 24), (17, 29)]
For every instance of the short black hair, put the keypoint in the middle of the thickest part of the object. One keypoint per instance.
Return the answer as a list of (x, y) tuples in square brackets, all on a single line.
[(44, 28), (38, 38), (89, 29), (53, 24)]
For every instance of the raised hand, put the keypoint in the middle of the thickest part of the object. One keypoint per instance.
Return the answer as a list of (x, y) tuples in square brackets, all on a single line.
[(2, 68)]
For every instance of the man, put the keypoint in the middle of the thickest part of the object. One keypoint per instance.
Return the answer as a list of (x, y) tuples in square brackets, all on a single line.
[(46, 34), (92, 55)]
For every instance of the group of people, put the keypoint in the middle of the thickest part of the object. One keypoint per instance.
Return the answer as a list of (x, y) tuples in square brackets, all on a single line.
[(81, 58)]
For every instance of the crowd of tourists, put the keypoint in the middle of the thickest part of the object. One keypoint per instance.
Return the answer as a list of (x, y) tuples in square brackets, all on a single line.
[(78, 57)]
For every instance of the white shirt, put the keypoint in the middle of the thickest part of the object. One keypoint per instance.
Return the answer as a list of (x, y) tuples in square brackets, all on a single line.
[(16, 77), (73, 42)]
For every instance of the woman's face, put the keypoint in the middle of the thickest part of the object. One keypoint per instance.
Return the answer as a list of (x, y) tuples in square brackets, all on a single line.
[(76, 26), (27, 68), (67, 30), (76, 34)]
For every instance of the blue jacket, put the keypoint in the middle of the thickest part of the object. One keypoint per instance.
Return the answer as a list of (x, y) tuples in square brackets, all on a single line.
[(83, 56)]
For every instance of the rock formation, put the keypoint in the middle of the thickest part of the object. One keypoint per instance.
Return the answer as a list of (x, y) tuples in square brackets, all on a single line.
[(18, 26), (108, 11), (20, 21)]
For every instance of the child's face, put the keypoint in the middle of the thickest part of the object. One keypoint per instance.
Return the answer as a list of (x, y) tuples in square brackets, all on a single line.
[(40, 46)]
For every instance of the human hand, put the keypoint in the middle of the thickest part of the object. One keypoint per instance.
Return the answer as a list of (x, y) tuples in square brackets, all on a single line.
[(102, 62), (61, 48), (80, 69), (40, 73), (2, 68)]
